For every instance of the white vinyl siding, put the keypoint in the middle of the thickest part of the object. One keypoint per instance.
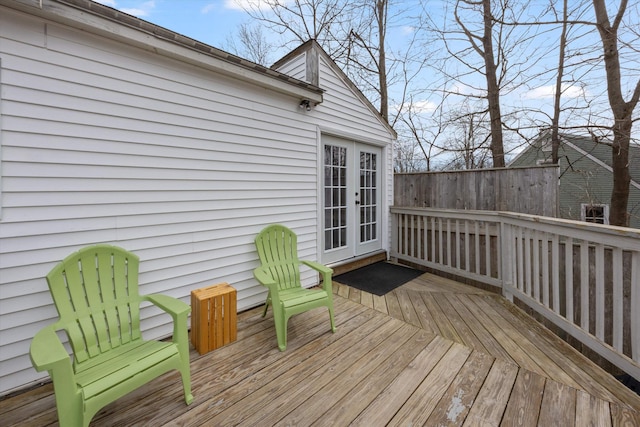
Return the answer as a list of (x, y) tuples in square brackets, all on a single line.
[(104, 142), (296, 67), (107, 143)]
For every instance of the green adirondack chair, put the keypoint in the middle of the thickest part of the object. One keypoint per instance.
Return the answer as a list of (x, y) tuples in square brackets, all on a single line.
[(277, 248), (95, 291)]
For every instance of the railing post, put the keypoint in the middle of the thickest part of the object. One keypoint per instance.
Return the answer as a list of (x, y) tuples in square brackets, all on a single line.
[(506, 251), (394, 237)]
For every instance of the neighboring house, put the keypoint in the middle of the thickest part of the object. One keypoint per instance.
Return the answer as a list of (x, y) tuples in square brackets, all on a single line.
[(114, 130), (586, 176)]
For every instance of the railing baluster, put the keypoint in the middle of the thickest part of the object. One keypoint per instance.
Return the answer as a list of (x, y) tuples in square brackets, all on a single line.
[(449, 249), (433, 239), (599, 295), (568, 279), (487, 249), (544, 253), (635, 304), (555, 272), (536, 242), (467, 261), (476, 225), (520, 254), (412, 242), (584, 285), (405, 222), (618, 306), (457, 243), (527, 261), (418, 236), (440, 242)]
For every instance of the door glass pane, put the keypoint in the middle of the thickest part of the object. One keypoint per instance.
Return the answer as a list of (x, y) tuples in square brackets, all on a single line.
[(368, 218), (335, 201)]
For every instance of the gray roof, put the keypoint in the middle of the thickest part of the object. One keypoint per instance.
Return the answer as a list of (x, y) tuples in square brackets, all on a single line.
[(602, 150), (159, 32), (585, 172)]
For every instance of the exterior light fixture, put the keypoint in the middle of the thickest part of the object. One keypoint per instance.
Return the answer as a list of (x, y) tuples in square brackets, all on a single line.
[(305, 105)]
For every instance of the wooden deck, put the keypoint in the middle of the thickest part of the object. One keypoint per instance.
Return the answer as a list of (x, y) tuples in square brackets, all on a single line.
[(433, 352)]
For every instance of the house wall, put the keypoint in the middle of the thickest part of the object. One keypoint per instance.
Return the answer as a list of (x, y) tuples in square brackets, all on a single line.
[(583, 179), (344, 114), (107, 143)]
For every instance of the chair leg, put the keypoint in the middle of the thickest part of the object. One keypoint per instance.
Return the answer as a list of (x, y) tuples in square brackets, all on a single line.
[(281, 331), (186, 384), (333, 324), (70, 409), (266, 304)]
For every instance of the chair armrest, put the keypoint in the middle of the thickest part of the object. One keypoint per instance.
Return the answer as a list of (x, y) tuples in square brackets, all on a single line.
[(326, 272), (171, 305), (47, 352), (179, 311), (323, 269), (264, 277)]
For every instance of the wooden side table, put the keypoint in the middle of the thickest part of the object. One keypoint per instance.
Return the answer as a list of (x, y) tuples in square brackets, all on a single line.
[(213, 317)]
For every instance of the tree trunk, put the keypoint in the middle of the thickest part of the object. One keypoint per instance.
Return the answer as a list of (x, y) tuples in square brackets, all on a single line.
[(622, 112), (555, 123), (381, 11), (493, 91)]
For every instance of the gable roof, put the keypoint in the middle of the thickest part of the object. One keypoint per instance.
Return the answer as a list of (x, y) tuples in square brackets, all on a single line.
[(598, 151), (313, 45), (601, 151), (95, 17)]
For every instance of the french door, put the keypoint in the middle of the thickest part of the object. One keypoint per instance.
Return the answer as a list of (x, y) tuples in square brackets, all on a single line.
[(351, 199)]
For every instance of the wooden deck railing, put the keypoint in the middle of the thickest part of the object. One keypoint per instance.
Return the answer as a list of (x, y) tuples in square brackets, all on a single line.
[(585, 278)]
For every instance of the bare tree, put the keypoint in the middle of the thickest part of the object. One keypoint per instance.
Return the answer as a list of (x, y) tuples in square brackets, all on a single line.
[(369, 37), (622, 110), (482, 44), (555, 121), (251, 43), (488, 58), (469, 131), (303, 20)]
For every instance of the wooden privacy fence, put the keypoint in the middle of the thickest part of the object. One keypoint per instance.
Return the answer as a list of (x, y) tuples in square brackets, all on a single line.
[(532, 190), (584, 278)]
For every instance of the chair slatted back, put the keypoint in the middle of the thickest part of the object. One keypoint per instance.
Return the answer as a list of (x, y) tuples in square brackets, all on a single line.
[(277, 248), (95, 291)]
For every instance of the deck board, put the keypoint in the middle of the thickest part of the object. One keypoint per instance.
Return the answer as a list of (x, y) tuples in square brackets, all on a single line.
[(507, 333), (417, 408), (392, 364), (495, 392), (526, 398), (360, 396), (382, 409), (456, 402), (558, 405), (338, 388)]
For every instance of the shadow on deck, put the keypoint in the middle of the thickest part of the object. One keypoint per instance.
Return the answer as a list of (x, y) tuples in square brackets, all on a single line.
[(433, 352)]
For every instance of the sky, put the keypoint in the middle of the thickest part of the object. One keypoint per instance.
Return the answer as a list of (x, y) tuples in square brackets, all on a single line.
[(216, 22), (208, 21)]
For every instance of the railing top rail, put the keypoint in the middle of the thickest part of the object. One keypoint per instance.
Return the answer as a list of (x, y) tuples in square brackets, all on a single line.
[(622, 237)]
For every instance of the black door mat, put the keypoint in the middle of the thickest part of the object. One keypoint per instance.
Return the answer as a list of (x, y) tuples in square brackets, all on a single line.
[(378, 278)]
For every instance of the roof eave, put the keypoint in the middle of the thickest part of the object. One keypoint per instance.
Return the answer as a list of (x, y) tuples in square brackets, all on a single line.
[(97, 19)]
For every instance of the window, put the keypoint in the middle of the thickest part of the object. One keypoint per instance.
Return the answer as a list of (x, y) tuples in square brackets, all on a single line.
[(596, 213)]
